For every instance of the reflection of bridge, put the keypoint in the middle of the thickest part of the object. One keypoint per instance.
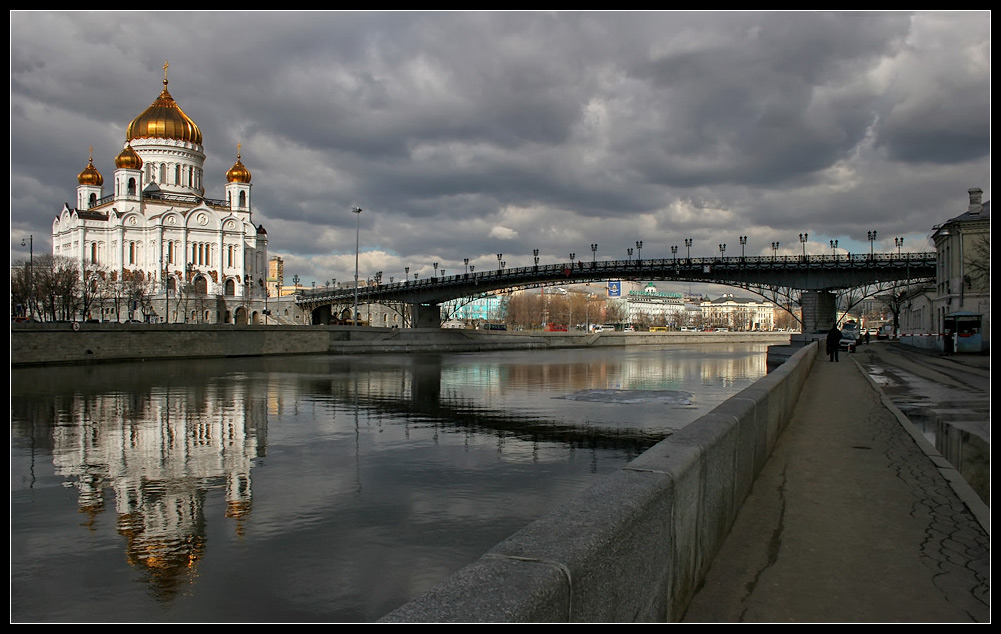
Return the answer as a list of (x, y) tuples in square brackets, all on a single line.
[(809, 280)]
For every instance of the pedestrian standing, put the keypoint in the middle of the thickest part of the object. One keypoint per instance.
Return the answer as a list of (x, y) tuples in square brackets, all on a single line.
[(833, 342)]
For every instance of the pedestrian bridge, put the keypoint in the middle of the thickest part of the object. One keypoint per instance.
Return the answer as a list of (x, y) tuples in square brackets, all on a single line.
[(778, 277)]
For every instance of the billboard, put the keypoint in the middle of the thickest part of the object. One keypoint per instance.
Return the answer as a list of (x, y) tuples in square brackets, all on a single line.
[(615, 288)]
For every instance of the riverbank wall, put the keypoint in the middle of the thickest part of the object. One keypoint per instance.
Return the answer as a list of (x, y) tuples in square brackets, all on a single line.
[(65, 343), (635, 546)]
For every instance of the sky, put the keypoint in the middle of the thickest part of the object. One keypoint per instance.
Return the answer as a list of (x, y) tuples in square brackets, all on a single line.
[(468, 134)]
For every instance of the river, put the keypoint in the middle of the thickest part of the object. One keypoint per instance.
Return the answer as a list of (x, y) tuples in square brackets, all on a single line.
[(317, 488)]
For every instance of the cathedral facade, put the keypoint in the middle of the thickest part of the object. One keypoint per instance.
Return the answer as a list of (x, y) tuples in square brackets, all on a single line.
[(184, 257)]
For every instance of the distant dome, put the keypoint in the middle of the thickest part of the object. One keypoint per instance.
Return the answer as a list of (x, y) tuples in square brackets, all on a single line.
[(238, 173), (128, 159), (164, 119), (90, 175)]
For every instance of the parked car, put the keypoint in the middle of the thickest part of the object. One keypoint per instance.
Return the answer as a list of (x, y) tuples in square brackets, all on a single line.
[(848, 341)]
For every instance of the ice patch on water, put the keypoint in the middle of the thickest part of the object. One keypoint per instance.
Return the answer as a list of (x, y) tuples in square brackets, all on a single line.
[(669, 397)]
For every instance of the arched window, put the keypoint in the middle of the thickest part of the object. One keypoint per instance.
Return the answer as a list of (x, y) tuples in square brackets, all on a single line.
[(93, 200), (93, 253), (230, 288), (243, 199), (132, 187), (177, 174)]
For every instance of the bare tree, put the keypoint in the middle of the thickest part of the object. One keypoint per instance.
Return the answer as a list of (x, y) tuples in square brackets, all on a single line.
[(978, 265)]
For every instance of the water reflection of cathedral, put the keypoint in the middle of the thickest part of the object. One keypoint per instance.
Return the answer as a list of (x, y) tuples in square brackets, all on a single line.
[(161, 454)]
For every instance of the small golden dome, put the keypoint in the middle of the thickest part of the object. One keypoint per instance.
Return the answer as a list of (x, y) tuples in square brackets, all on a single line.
[(238, 173), (164, 119), (90, 175), (128, 159)]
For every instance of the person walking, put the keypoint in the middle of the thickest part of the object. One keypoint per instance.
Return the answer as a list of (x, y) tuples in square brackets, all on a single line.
[(833, 342)]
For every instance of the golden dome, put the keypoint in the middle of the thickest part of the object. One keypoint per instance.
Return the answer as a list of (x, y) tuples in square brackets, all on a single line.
[(128, 159), (90, 175), (238, 173), (164, 119)]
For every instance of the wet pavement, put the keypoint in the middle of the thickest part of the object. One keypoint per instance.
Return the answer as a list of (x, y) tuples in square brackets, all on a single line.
[(856, 517)]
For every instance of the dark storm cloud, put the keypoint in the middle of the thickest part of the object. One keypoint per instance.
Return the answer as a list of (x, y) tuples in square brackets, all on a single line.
[(472, 134)]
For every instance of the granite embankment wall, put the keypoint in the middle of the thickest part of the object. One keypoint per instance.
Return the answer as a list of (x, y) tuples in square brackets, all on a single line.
[(60, 343), (635, 546)]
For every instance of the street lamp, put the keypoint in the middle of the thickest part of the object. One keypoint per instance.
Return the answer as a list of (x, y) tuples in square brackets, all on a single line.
[(899, 242), (31, 271), (743, 241), (629, 252), (688, 245), (406, 273), (639, 251), (535, 254), (466, 262), (872, 238), (722, 250), (499, 256), (834, 248), (357, 212), (775, 250), (594, 254), (803, 238), (674, 252), (435, 265)]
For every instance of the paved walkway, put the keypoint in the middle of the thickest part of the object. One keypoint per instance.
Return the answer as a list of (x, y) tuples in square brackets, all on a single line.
[(853, 519)]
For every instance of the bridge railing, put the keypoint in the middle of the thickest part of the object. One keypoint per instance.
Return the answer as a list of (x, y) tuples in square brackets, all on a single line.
[(579, 271)]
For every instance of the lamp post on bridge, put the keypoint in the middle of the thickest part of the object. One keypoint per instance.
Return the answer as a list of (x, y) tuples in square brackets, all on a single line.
[(674, 253), (872, 238), (804, 238), (535, 254), (594, 255), (435, 265), (688, 245), (743, 242), (639, 251), (357, 212), (834, 248), (775, 250), (499, 256), (722, 250), (629, 252), (899, 242), (406, 273)]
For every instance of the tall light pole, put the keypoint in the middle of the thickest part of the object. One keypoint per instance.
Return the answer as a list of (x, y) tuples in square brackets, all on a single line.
[(499, 256), (834, 248), (594, 255), (31, 271), (872, 238), (629, 252), (688, 245), (775, 250), (639, 251), (743, 242), (803, 238), (406, 273), (899, 242), (674, 252), (466, 262), (722, 250), (535, 254), (357, 212)]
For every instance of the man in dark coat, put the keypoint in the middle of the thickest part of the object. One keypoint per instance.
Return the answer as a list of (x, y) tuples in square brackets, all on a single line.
[(833, 342)]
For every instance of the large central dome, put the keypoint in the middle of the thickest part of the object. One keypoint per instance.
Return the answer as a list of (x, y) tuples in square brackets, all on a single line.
[(164, 119)]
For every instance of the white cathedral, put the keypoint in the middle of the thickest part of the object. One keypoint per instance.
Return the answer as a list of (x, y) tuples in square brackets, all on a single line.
[(157, 228)]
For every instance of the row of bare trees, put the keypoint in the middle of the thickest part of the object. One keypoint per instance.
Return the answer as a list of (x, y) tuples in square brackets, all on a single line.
[(52, 288), (531, 311)]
